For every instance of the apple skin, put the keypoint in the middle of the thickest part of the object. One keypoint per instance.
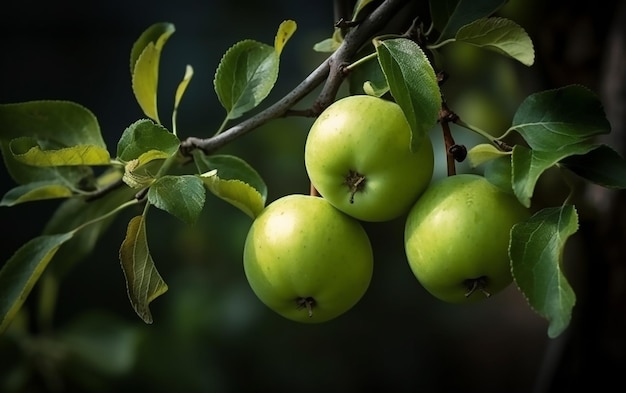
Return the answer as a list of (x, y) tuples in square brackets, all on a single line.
[(457, 232), (301, 248), (368, 136)]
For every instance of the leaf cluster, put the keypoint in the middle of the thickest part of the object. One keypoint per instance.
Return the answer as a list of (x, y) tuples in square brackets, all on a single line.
[(55, 150)]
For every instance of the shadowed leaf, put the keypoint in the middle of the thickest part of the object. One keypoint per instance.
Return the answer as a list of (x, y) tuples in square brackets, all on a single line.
[(536, 252), (22, 270), (143, 281), (413, 84)]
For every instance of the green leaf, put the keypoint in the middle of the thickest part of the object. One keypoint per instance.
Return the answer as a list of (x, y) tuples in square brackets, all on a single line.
[(235, 192), (450, 15), (35, 191), (233, 180), (144, 136), (79, 178), (368, 78), (231, 168), (245, 76), (551, 119), (536, 252), (26, 150), (413, 84), (22, 270), (499, 173), (143, 281), (499, 35), (484, 152), (55, 125), (529, 164), (181, 196), (331, 44), (142, 171), (248, 71), (144, 66), (602, 166)]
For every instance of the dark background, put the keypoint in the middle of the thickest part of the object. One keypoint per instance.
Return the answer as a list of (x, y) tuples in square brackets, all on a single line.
[(210, 333)]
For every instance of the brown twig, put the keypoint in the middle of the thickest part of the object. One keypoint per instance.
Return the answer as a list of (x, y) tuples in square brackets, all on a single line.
[(445, 117)]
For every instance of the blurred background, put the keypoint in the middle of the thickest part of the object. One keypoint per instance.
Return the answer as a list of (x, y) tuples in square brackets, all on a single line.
[(211, 334)]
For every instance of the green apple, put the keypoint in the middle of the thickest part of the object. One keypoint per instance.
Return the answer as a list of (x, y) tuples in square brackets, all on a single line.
[(457, 237), (357, 156), (306, 260)]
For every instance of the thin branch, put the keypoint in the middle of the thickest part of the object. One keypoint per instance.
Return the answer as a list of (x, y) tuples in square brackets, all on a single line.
[(353, 41), (278, 109), (332, 69)]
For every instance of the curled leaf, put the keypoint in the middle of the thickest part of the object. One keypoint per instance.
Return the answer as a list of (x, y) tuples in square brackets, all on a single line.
[(27, 151)]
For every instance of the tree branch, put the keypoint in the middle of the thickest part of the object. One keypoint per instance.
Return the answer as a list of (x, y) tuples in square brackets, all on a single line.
[(332, 69)]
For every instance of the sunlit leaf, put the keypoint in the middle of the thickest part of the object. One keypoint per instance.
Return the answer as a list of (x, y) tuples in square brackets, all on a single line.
[(231, 168), (450, 15), (331, 44), (368, 78), (551, 119), (182, 86), (55, 125), (375, 89), (35, 191), (74, 177), (500, 35), (237, 193), (529, 164), (536, 252), (413, 84), (145, 59), (20, 273), (154, 33), (181, 196), (143, 281), (484, 152), (137, 176), (27, 151), (142, 171), (144, 136), (602, 166), (284, 33)]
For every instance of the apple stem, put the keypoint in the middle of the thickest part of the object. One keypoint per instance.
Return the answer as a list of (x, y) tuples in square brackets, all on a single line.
[(307, 302), (477, 284), (356, 182), (313, 191)]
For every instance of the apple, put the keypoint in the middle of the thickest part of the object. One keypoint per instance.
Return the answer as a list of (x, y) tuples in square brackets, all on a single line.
[(306, 260), (357, 156), (457, 238)]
